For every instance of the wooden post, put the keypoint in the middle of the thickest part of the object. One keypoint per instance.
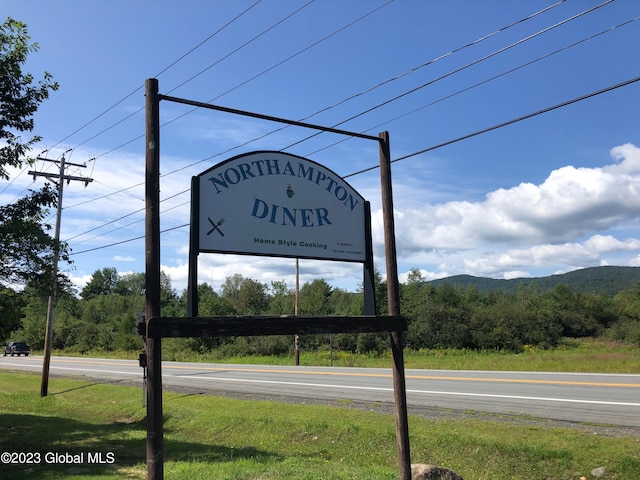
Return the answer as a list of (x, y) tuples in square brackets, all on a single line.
[(393, 297), (368, 280), (296, 340), (194, 244), (155, 440)]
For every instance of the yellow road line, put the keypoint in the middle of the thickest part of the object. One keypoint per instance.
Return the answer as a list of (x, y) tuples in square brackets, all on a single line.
[(380, 375)]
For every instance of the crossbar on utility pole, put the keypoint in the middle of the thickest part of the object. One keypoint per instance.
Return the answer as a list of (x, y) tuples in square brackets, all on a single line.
[(60, 178)]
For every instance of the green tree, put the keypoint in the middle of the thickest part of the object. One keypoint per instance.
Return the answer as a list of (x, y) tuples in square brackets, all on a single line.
[(102, 282), (507, 325), (448, 319), (347, 303), (26, 249), (20, 97), (132, 284), (567, 309), (211, 304), (382, 297), (281, 299), (11, 304), (315, 298), (416, 303), (627, 303), (416, 296), (170, 304), (247, 296), (34, 318), (109, 323), (627, 306)]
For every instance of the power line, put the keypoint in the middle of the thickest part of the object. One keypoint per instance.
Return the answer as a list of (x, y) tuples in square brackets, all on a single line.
[(237, 17), (483, 82), (11, 183), (111, 126), (437, 59), (414, 69), (299, 52), (368, 90), (457, 70), (400, 116), (248, 42), (128, 224), (104, 225), (123, 217), (424, 64), (444, 144), (224, 93), (126, 241), (19, 195), (194, 76), (104, 196), (182, 57), (82, 127), (504, 124)]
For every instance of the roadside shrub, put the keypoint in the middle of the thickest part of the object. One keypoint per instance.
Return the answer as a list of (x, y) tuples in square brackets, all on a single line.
[(627, 331)]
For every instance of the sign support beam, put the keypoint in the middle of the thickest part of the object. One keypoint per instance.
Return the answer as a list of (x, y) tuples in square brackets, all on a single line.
[(252, 325), (194, 233), (267, 117), (393, 298), (368, 280)]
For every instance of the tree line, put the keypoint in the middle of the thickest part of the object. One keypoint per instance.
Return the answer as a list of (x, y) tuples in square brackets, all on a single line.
[(104, 315)]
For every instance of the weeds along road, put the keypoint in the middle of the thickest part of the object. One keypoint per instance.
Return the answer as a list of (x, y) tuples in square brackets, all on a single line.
[(609, 399)]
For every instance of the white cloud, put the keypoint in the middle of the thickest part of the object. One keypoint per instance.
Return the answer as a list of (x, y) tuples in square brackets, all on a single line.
[(214, 269), (607, 243), (569, 204), (518, 260), (120, 258), (576, 217), (573, 219)]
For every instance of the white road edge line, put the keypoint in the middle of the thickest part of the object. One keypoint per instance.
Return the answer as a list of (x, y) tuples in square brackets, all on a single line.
[(426, 392)]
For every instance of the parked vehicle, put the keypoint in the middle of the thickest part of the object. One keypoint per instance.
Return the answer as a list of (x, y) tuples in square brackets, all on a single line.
[(17, 348)]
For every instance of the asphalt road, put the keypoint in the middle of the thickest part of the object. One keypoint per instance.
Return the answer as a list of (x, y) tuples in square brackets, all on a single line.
[(609, 399)]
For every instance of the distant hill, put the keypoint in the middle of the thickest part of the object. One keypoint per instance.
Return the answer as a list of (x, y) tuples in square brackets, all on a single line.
[(601, 280)]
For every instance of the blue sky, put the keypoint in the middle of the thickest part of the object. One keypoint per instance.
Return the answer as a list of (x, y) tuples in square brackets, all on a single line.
[(546, 195)]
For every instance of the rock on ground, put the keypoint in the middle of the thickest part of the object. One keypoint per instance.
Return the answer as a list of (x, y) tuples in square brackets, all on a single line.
[(432, 472)]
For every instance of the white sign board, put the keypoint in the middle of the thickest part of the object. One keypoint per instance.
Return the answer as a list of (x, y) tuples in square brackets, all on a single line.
[(277, 204)]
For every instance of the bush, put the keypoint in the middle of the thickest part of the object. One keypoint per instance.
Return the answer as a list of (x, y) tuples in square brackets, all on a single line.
[(373, 343), (627, 331)]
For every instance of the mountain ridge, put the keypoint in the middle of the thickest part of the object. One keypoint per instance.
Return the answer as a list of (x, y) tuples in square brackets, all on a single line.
[(605, 280)]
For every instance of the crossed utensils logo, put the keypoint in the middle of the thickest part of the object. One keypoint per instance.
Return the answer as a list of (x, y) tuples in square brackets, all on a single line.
[(215, 226)]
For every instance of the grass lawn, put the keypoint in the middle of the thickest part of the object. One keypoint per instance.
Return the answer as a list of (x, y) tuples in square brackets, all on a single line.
[(209, 437)]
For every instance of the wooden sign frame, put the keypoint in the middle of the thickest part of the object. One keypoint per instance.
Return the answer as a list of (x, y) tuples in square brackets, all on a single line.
[(156, 327)]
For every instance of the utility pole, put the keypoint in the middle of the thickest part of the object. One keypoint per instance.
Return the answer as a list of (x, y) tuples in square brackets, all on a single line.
[(155, 426), (59, 179)]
